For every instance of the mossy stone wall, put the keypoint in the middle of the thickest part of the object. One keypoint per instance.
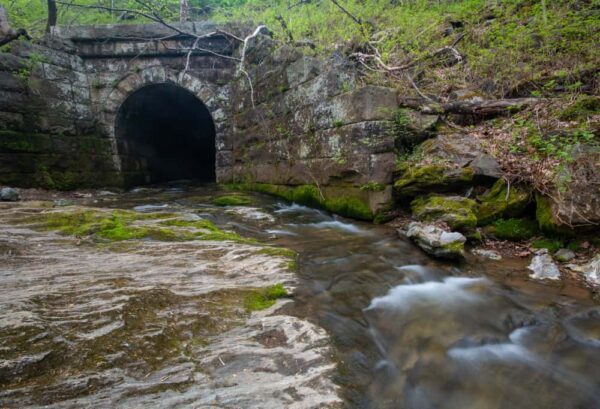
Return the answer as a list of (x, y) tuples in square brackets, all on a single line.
[(48, 133)]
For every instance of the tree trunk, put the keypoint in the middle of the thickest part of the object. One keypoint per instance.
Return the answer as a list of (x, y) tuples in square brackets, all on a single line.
[(52, 15), (7, 33), (184, 10)]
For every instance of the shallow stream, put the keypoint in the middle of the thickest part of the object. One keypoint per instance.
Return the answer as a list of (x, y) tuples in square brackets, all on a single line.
[(374, 322)]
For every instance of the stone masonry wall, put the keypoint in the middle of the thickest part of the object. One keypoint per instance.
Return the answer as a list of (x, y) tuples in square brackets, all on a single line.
[(48, 133), (313, 131)]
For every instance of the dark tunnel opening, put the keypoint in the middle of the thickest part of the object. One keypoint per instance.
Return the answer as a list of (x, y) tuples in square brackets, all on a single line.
[(165, 133)]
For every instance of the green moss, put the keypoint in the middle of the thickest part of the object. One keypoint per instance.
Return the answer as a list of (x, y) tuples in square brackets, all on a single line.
[(206, 230), (349, 206), (546, 220), (278, 251), (514, 229), (350, 202), (291, 255), (262, 299), (373, 187), (121, 225), (232, 201), (456, 247), (457, 212), (417, 179), (584, 107), (500, 202), (546, 243)]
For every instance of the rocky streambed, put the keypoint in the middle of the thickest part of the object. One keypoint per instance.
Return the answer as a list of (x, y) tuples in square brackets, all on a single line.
[(190, 296)]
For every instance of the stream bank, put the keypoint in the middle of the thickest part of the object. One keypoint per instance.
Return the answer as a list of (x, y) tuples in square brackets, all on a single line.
[(373, 323)]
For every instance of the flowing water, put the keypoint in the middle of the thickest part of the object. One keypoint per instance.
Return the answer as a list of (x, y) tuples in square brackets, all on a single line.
[(374, 322)]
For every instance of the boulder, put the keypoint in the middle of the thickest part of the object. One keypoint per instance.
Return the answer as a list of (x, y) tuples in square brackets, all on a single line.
[(437, 242), (413, 127), (543, 266), (455, 211), (445, 163), (491, 254), (462, 151), (564, 255), (8, 194), (576, 201), (590, 271), (502, 202), (422, 179)]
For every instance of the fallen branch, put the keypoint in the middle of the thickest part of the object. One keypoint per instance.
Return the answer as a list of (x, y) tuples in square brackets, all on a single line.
[(14, 36), (479, 107)]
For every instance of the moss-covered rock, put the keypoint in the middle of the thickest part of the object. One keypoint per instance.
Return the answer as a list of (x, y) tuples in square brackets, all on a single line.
[(546, 219), (502, 202), (437, 242), (416, 179), (456, 211), (513, 229), (264, 298), (346, 201), (232, 200)]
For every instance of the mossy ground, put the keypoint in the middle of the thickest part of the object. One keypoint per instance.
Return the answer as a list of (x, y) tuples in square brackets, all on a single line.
[(264, 298), (121, 225)]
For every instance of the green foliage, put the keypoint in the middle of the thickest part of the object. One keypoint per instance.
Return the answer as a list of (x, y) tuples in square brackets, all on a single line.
[(557, 144), (512, 42), (583, 107), (24, 73), (262, 299)]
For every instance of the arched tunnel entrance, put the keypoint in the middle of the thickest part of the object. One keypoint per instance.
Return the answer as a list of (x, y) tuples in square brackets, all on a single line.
[(165, 133)]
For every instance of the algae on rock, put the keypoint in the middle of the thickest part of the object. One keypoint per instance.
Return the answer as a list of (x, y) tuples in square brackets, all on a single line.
[(416, 179), (456, 211), (502, 201)]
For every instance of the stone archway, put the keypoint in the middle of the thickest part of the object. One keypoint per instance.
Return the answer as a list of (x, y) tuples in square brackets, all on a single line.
[(163, 132)]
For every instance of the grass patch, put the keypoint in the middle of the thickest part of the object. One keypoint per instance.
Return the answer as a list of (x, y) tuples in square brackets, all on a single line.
[(262, 299), (232, 201)]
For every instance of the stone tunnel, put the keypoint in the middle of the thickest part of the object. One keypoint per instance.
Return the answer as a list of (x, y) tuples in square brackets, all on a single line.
[(127, 105)]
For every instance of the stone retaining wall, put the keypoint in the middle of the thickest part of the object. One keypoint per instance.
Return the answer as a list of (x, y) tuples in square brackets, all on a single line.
[(310, 122), (48, 133)]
